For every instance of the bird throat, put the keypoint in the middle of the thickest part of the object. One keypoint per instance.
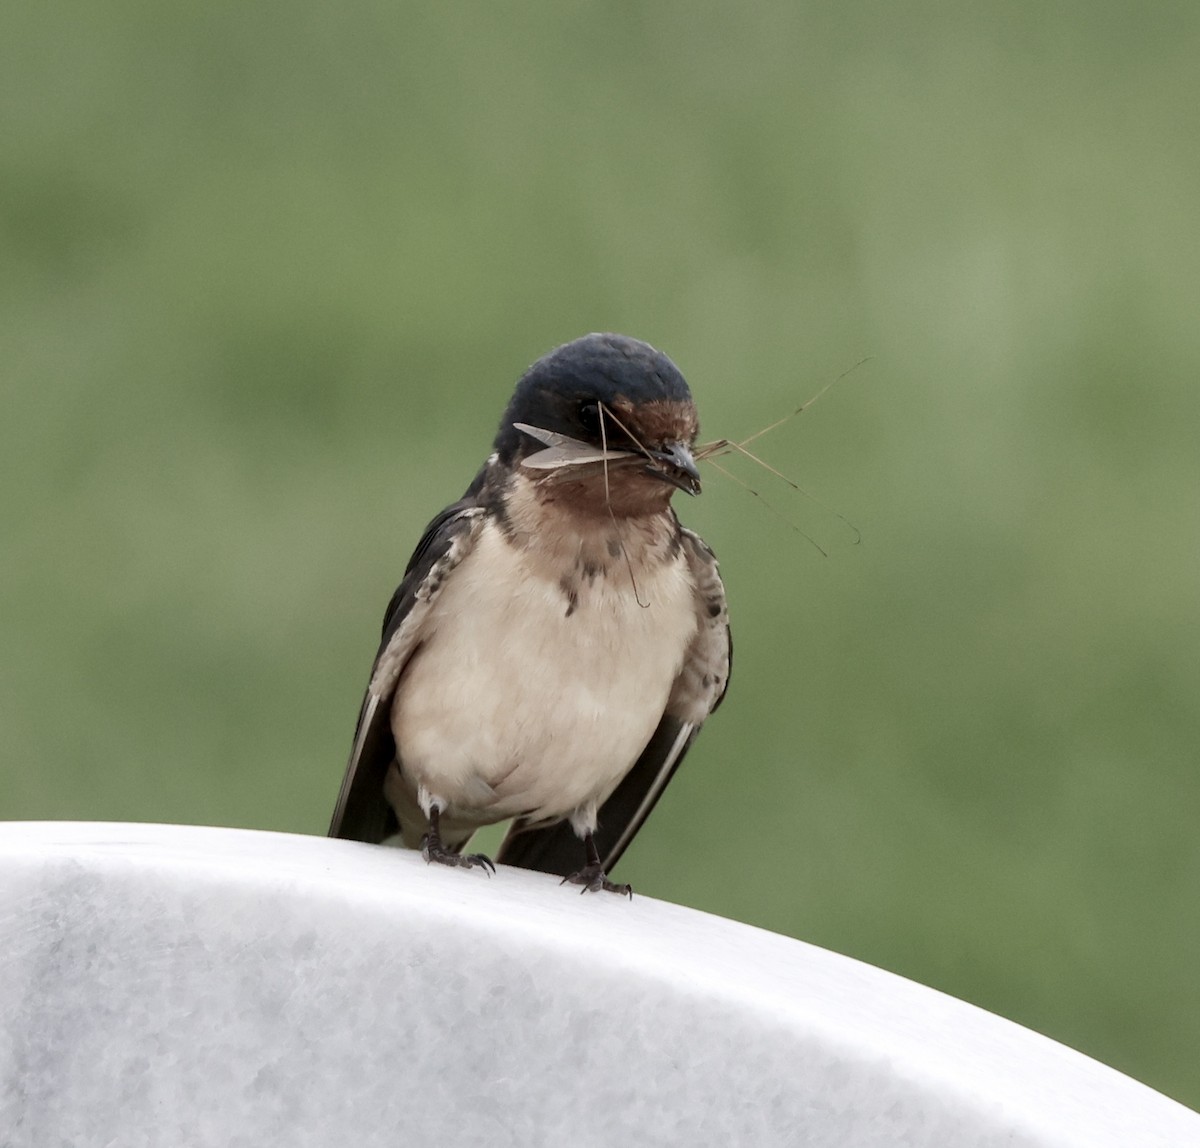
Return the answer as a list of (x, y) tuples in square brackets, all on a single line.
[(573, 524)]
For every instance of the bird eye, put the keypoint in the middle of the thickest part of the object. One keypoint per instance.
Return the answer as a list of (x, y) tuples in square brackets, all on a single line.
[(589, 418)]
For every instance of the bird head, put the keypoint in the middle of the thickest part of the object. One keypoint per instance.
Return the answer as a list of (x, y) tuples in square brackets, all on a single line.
[(604, 408)]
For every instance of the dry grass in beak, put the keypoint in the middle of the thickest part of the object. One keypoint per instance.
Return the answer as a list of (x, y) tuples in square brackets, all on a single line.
[(710, 451)]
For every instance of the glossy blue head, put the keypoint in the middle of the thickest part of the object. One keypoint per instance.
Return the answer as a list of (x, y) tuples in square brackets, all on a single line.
[(611, 391)]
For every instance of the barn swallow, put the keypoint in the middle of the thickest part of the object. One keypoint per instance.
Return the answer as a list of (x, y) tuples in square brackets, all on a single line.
[(558, 638)]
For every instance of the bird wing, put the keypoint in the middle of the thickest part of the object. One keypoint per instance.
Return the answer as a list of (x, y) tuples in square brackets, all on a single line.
[(362, 812), (697, 692)]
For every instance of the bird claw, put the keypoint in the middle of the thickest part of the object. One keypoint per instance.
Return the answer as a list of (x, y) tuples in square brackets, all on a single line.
[(435, 851), (593, 879), (477, 861)]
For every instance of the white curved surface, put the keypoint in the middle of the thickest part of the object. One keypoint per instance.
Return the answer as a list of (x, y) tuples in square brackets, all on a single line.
[(166, 985)]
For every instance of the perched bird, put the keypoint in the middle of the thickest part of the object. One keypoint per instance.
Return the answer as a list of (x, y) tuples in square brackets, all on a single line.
[(558, 637)]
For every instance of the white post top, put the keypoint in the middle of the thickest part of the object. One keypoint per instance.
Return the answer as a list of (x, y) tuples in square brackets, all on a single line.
[(175, 986)]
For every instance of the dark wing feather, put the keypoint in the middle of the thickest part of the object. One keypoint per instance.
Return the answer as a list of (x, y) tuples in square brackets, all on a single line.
[(697, 691), (362, 812)]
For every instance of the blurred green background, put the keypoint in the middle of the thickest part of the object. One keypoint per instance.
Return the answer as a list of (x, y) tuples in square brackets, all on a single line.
[(268, 274)]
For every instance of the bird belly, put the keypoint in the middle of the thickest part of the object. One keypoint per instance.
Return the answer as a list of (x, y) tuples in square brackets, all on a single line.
[(532, 696)]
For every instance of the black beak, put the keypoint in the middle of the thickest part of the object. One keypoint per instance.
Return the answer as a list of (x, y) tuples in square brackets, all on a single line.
[(675, 464)]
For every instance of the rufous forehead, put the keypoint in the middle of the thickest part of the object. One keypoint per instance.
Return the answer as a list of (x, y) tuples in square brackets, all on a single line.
[(660, 420)]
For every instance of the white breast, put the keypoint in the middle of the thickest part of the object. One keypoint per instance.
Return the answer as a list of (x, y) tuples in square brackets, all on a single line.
[(513, 705)]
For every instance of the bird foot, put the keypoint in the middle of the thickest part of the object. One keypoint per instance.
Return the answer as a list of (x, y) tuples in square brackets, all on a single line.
[(593, 879), (434, 851)]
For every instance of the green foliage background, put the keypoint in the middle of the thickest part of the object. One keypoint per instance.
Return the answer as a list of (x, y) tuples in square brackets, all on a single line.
[(269, 272)]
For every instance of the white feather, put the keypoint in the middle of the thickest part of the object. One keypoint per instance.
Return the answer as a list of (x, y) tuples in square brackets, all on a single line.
[(562, 450)]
